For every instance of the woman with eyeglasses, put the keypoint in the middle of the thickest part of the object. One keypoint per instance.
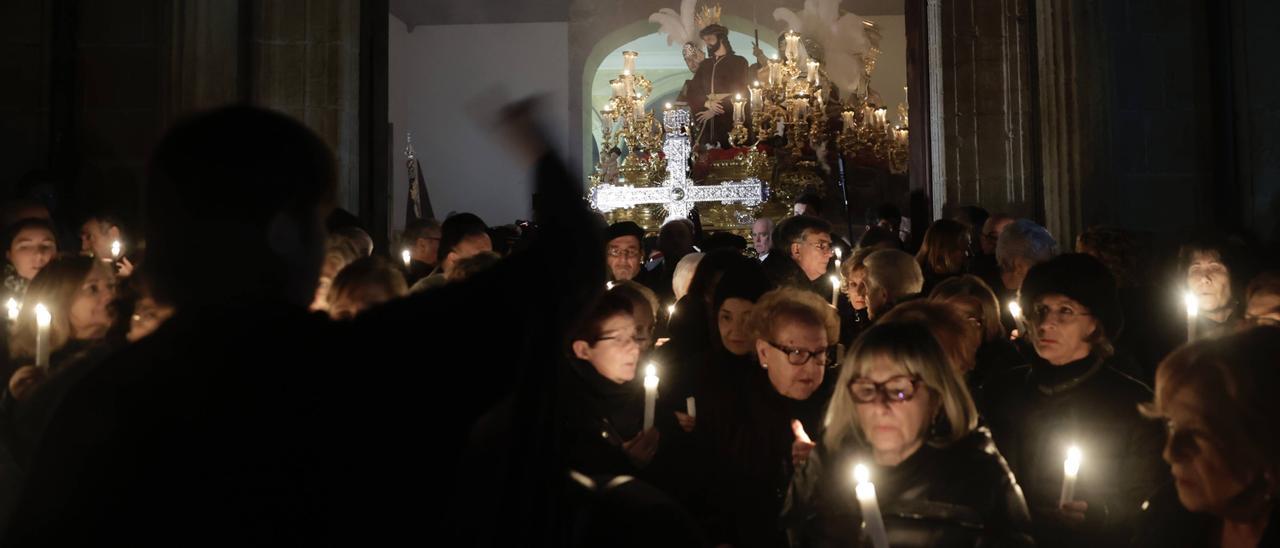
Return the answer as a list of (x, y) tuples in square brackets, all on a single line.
[(602, 411), (753, 426), (902, 411), (1073, 395)]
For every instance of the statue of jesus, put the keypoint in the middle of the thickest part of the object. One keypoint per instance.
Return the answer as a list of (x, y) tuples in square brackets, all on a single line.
[(710, 93)]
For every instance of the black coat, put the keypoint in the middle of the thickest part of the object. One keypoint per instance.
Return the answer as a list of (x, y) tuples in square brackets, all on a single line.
[(1166, 524), (1035, 412), (253, 421), (596, 417), (746, 437), (962, 495)]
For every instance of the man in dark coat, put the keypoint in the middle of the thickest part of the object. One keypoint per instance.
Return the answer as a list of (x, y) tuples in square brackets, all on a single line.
[(244, 419), (801, 255), (710, 94)]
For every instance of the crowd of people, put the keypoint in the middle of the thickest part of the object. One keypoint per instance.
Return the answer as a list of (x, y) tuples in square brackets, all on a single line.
[(563, 382)]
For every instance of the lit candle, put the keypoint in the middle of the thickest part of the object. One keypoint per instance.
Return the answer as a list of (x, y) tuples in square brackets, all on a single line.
[(872, 523), (835, 289), (882, 117), (775, 72), (406, 256), (812, 76), (839, 255), (650, 394), (43, 319), (671, 310), (1193, 308), (1015, 310), (115, 249), (793, 46), (606, 115), (738, 104), (616, 84), (629, 61), (1070, 468), (691, 406), (666, 107), (626, 83), (12, 305), (847, 118), (608, 286)]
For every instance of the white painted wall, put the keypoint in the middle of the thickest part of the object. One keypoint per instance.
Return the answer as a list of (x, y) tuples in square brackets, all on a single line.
[(437, 72)]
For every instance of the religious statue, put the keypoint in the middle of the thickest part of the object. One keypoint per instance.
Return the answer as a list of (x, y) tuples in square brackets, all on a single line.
[(720, 78), (609, 166)]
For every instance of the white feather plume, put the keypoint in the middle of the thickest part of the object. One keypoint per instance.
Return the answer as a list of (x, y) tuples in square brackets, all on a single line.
[(679, 27), (843, 38)]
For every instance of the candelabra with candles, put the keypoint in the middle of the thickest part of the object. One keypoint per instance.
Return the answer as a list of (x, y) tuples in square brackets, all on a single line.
[(792, 98), (624, 119)]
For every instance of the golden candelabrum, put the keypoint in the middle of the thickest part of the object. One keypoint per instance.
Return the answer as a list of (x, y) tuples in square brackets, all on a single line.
[(624, 119)]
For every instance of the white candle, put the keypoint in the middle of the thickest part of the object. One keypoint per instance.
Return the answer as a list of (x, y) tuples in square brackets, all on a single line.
[(13, 307), (671, 310), (43, 319), (872, 522), (738, 104), (835, 289), (793, 46), (650, 394), (691, 406), (812, 75), (1015, 309), (755, 97), (617, 87), (638, 111), (115, 249), (1193, 308), (847, 118), (406, 256), (626, 83), (629, 61), (775, 72), (1070, 468)]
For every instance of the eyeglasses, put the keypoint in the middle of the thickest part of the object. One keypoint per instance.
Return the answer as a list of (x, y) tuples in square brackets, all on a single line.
[(898, 388), (822, 246), (1062, 314), (799, 356), (623, 340), (624, 253)]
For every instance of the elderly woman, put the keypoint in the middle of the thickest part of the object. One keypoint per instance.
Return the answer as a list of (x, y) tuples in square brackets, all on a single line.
[(1210, 266), (975, 300), (901, 410), (944, 251), (1071, 395), (853, 310), (753, 426), (1217, 401)]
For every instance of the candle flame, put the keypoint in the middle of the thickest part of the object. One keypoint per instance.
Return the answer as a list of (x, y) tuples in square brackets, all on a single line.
[(671, 310), (608, 286), (43, 319), (839, 253), (651, 370), (12, 306), (406, 256), (115, 248), (835, 282), (668, 106), (1071, 466), (1192, 302), (1015, 309), (861, 474)]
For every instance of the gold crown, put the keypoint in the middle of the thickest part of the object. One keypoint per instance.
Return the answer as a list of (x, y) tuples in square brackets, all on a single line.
[(707, 16)]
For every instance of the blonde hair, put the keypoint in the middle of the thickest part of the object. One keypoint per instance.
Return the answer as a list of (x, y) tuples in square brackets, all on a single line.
[(896, 272), (791, 304), (55, 286), (915, 349)]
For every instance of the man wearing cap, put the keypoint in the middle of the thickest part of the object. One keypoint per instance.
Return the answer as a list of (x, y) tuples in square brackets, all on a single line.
[(623, 250)]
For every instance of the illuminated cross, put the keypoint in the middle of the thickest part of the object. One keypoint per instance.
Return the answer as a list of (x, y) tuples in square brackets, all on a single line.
[(677, 194)]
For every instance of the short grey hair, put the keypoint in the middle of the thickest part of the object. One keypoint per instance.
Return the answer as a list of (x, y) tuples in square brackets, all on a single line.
[(894, 271), (1025, 239)]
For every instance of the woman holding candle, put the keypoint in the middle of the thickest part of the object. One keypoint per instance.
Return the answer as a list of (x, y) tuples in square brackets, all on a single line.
[(756, 422), (1212, 268), (901, 410), (32, 244), (1217, 401), (601, 419), (1071, 394)]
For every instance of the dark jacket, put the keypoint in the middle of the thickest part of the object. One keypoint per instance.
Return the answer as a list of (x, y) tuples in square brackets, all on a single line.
[(962, 495), (1036, 412), (1167, 524), (746, 437), (596, 416), (254, 422)]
